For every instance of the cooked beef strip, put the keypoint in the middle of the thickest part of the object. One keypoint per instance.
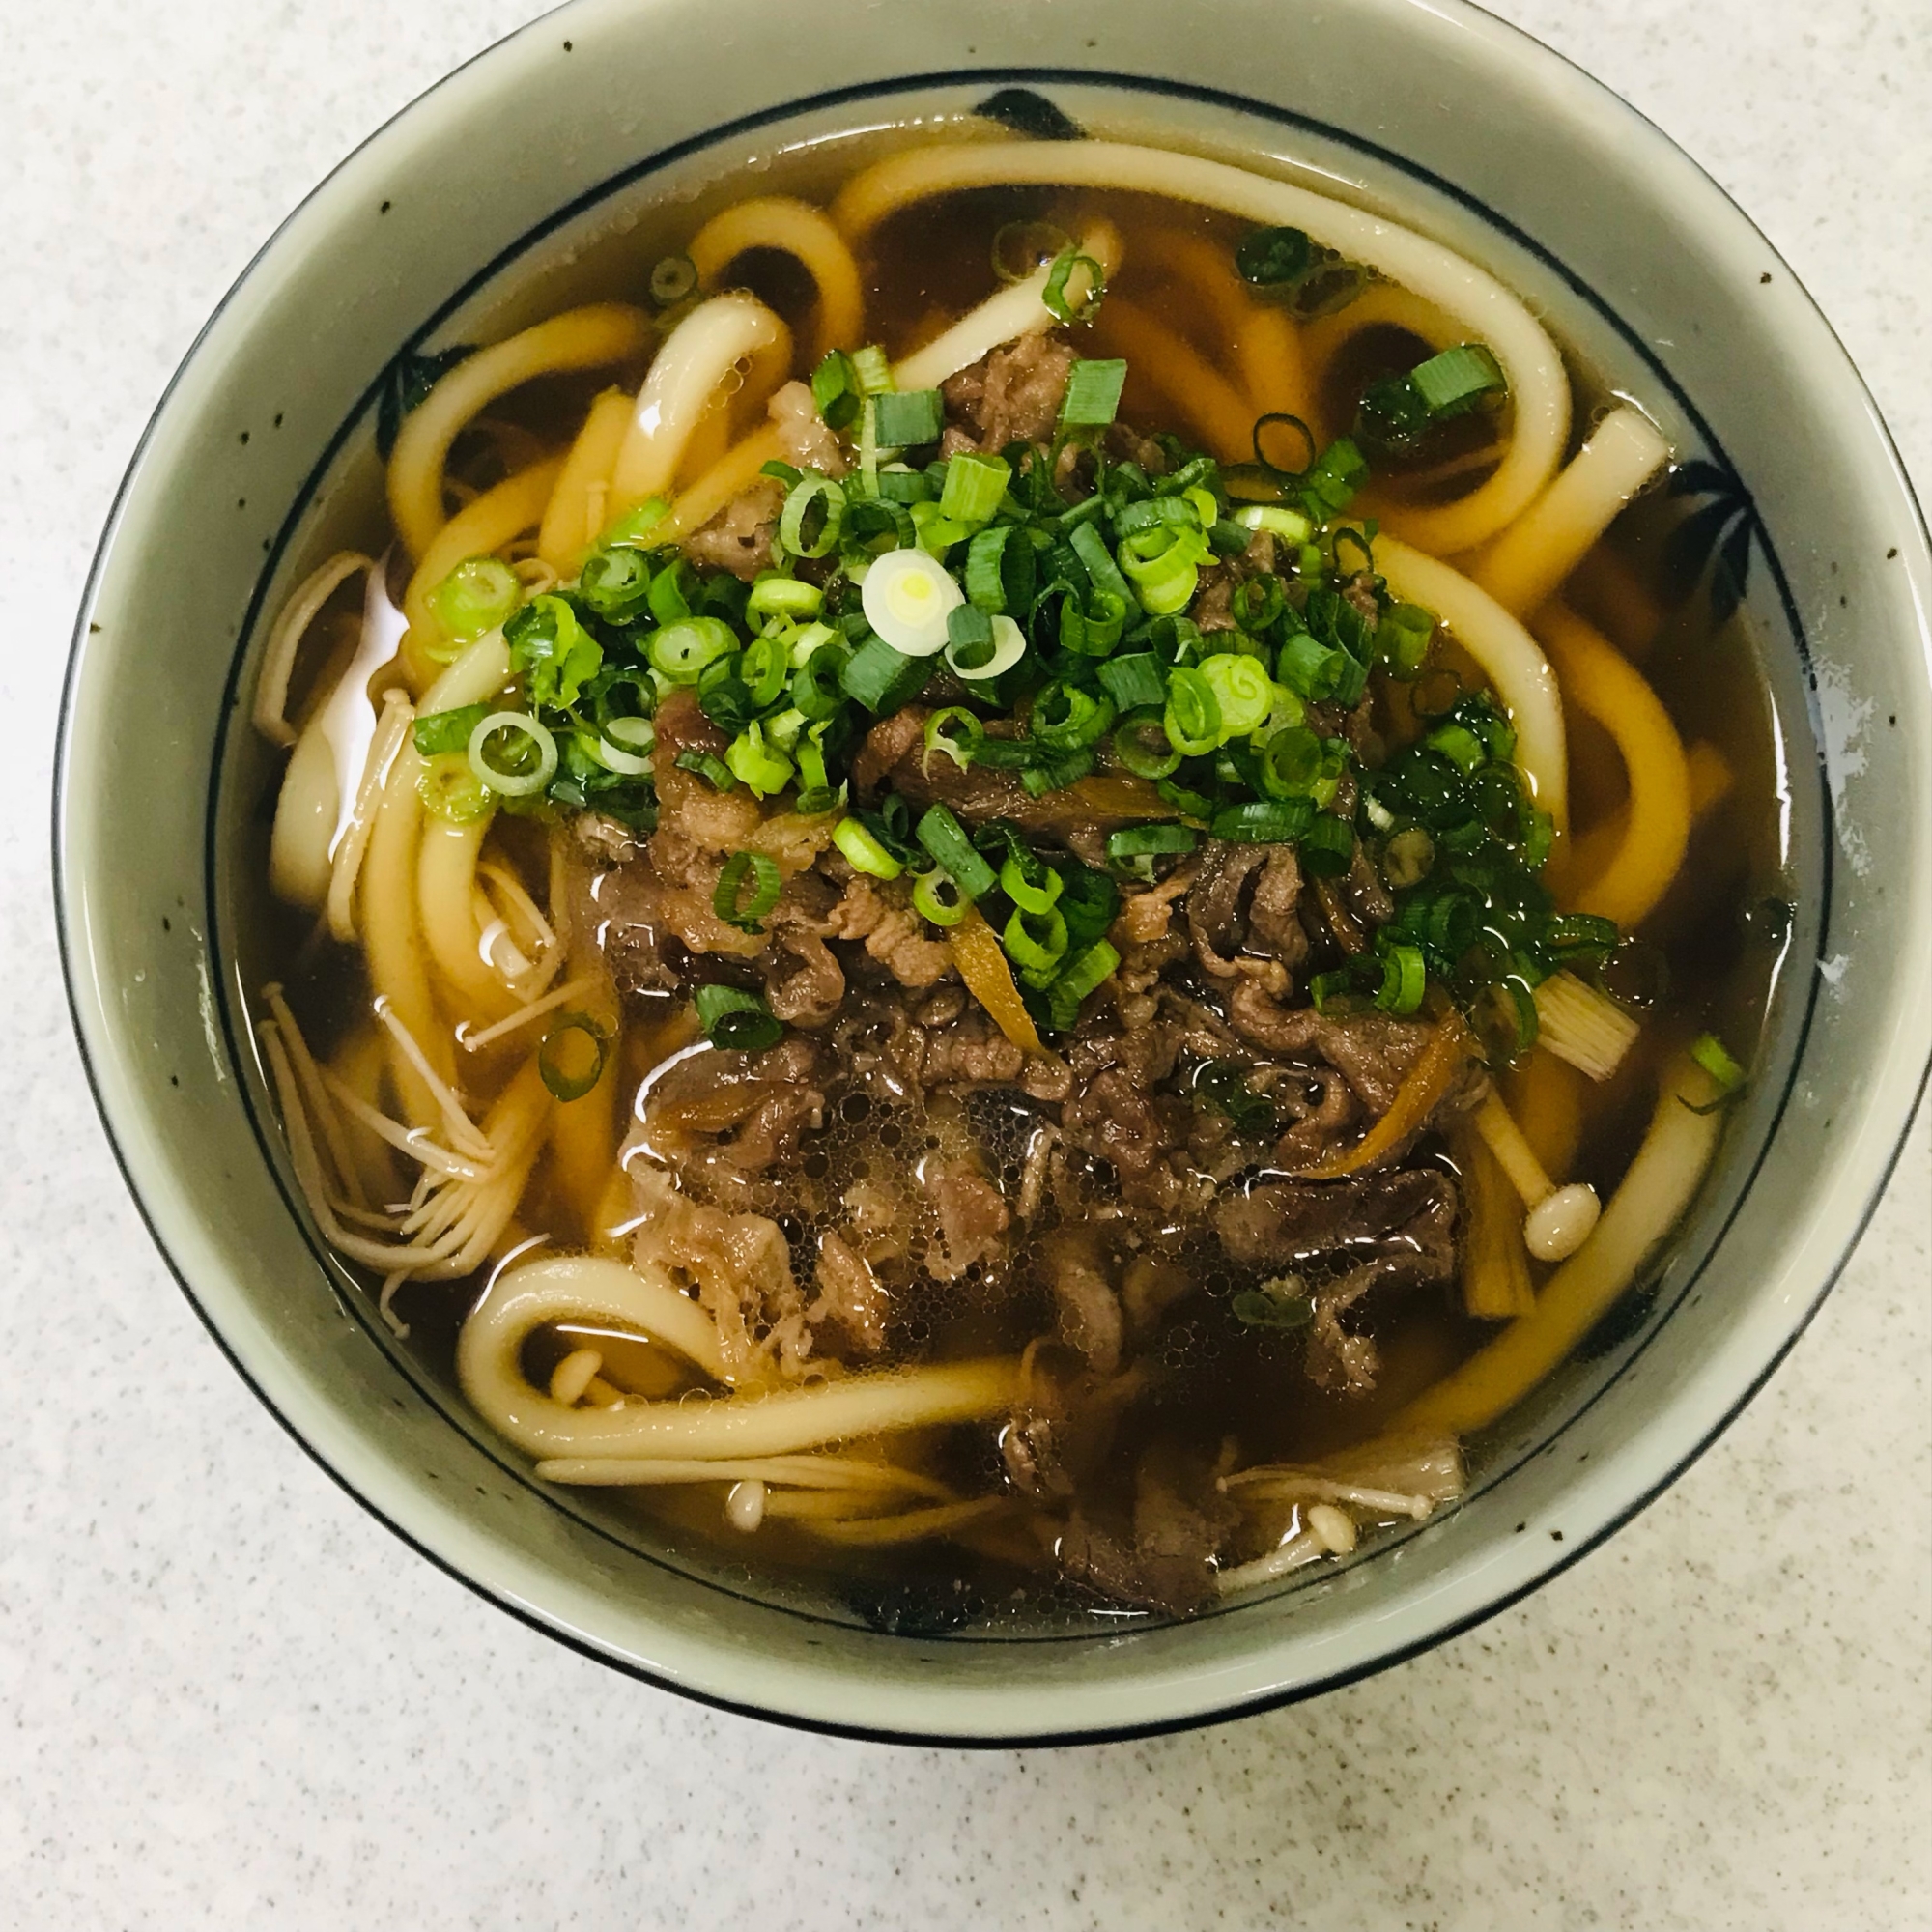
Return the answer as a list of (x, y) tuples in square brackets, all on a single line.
[(1372, 1051), (1167, 1562), (972, 1219), (739, 537), (1090, 1317), (1012, 395), (850, 1296)]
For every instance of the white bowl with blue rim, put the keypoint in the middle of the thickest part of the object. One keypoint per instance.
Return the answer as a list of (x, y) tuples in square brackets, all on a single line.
[(439, 227)]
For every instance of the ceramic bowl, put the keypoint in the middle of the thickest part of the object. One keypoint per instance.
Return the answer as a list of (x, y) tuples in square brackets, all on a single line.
[(441, 229)]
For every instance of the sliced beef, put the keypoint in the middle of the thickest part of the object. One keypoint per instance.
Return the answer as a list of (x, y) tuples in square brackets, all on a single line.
[(1090, 1317), (850, 1297), (739, 537), (1013, 395), (1397, 1229), (808, 443), (1373, 1052), (1167, 1561), (972, 1219), (893, 933), (1114, 1121), (1241, 914)]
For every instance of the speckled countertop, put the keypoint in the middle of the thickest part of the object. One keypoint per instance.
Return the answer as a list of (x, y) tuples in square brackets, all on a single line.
[(228, 1698)]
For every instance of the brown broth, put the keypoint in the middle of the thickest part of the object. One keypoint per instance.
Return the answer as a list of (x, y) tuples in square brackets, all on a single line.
[(1223, 1381)]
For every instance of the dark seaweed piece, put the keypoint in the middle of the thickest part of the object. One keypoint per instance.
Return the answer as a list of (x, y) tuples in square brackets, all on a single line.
[(1716, 535), (917, 1610), (1029, 114), (405, 381)]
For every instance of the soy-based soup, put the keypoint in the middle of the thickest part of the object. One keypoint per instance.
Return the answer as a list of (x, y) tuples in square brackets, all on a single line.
[(1020, 888)]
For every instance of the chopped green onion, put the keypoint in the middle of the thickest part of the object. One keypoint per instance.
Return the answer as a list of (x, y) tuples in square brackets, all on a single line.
[(1405, 979), (1036, 941), (1242, 690), (1142, 744), (681, 650), (475, 597), (556, 654), (1338, 474), (835, 392), (450, 789), (1033, 885), (1055, 771), (1164, 562), (1402, 639), (636, 523), (776, 596), (999, 569), (900, 483), (1264, 821), (763, 668), (1091, 548), (1291, 762), (1082, 973), (440, 731), (1710, 1054), (1289, 524), (1134, 681), (903, 418), (709, 766), (1258, 604), (673, 279), (1141, 841), (816, 685), (942, 836), (954, 732), (733, 904), (1005, 647), (1457, 379), (734, 1020), (940, 898), (1291, 472), (873, 372), (937, 535), (1272, 258), (616, 583), (882, 679), (1310, 668), (1070, 303), (561, 1058), (764, 771), (973, 487), (1066, 718), (671, 590), (1193, 714), (624, 745), (812, 490), (1327, 847), (1458, 745), (525, 766), (1093, 394), (864, 851)]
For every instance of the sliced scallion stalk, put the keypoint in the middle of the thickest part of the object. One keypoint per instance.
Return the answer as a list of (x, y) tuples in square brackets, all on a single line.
[(524, 765), (735, 1020), (864, 851), (746, 890)]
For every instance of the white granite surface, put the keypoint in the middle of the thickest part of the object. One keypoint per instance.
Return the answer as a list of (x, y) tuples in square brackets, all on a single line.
[(229, 1698)]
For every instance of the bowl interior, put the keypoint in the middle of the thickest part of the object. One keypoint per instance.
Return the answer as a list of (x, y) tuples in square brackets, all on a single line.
[(426, 238)]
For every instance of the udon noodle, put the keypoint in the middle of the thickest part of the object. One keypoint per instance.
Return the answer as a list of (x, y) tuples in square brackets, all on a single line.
[(981, 877)]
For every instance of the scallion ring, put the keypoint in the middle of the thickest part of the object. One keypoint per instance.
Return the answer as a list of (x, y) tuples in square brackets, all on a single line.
[(954, 732), (936, 895), (1142, 744), (624, 745), (1068, 303), (523, 768), (673, 279), (862, 851), (561, 1059), (1036, 941), (1193, 714), (733, 904), (810, 490)]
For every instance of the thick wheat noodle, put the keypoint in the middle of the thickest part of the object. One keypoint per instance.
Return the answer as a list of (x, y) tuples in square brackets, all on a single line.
[(1523, 566), (480, 529), (574, 514), (807, 235), (834, 1473), (446, 903), (391, 939), (580, 338), (346, 867), (1266, 347), (1222, 415), (278, 662), (727, 479), (589, 1291), (1653, 1194), (1656, 826), (1013, 312), (685, 377), (1474, 299), (1508, 657)]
